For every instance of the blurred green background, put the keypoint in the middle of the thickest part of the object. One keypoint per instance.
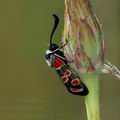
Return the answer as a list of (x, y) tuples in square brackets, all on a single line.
[(29, 89)]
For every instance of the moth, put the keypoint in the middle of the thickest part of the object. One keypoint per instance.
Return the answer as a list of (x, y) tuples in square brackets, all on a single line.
[(56, 59)]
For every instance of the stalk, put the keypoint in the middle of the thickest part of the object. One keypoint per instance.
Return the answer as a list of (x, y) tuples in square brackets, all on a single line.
[(92, 100), (85, 49)]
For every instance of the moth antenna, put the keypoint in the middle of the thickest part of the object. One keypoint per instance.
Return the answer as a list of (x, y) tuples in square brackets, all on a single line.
[(54, 27), (61, 46)]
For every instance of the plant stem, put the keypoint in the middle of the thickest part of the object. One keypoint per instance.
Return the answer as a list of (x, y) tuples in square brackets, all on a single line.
[(92, 100), (85, 48)]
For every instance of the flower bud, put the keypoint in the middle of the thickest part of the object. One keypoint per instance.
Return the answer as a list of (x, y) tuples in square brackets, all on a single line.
[(85, 40)]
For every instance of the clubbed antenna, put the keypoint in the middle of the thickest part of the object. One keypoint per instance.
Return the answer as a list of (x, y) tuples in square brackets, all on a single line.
[(54, 27)]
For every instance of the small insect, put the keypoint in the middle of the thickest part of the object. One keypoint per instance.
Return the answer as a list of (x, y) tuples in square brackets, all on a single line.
[(55, 58)]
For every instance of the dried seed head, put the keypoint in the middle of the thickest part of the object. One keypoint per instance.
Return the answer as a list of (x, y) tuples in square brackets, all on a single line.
[(82, 30)]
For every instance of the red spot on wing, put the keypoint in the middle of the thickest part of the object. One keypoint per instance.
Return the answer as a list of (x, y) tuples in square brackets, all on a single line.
[(75, 82), (64, 78), (68, 72), (57, 63), (66, 75), (75, 89)]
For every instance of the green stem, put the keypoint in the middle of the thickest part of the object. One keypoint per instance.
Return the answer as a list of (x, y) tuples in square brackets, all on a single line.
[(86, 48), (92, 100)]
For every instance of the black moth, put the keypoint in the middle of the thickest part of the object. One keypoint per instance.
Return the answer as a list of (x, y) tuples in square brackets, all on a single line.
[(55, 58)]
